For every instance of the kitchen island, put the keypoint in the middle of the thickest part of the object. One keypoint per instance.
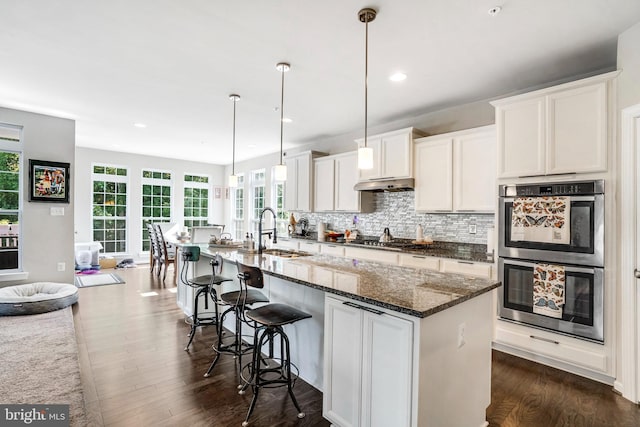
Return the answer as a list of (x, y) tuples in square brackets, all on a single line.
[(387, 345)]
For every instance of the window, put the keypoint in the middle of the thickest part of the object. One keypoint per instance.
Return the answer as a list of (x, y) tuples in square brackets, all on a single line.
[(10, 200), (110, 207), (196, 200), (257, 198), (237, 214), (277, 194), (156, 201)]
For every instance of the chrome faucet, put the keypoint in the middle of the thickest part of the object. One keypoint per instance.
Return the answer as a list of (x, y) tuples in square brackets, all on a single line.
[(261, 233)]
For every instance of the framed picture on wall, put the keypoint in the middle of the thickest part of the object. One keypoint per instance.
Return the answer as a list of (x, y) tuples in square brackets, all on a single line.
[(48, 181)]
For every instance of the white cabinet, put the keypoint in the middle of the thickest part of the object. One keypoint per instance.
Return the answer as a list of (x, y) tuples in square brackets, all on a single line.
[(558, 130), (392, 155), (299, 185), (419, 261), (335, 250), (456, 171), (387, 257), (335, 177), (478, 269), (309, 246), (287, 244), (368, 366)]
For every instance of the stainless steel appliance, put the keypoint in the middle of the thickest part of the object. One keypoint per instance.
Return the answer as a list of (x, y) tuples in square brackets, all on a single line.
[(582, 259)]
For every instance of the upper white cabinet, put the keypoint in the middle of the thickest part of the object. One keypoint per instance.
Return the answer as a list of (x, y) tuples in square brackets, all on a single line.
[(456, 171), (335, 177), (299, 186), (392, 154), (558, 130)]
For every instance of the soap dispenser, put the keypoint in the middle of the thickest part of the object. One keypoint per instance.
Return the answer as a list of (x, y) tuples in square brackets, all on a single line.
[(419, 233)]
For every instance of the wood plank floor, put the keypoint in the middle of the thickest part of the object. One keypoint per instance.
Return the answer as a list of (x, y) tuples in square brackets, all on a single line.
[(136, 373)]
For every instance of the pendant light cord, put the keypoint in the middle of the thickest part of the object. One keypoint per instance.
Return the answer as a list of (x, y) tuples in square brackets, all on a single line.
[(366, 75), (281, 112), (233, 156)]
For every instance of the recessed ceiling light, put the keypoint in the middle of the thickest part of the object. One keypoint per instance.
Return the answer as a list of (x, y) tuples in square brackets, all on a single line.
[(140, 125), (495, 10), (286, 120), (397, 77)]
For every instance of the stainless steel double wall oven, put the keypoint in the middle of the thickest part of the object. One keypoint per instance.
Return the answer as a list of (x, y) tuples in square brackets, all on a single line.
[(582, 259)]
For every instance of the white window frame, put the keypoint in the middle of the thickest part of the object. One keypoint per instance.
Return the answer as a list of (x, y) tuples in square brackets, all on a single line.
[(282, 215), (237, 222), (17, 147), (197, 185), (257, 182), (154, 182), (118, 179)]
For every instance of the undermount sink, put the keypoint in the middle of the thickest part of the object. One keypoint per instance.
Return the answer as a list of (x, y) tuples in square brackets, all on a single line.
[(284, 253)]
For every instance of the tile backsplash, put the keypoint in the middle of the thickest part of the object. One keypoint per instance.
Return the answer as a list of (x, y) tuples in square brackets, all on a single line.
[(396, 211)]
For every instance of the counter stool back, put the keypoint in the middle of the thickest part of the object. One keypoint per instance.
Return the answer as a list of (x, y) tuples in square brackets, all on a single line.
[(238, 302), (167, 255), (264, 371), (205, 286), (154, 249)]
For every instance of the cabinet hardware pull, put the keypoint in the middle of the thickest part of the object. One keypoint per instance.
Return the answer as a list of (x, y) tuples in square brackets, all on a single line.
[(544, 339), (332, 246), (465, 262), (418, 256), (361, 307), (636, 273)]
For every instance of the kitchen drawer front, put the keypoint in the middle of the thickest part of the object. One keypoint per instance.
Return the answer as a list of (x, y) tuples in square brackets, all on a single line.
[(466, 267), (287, 244), (334, 250), (420, 261), (311, 247), (372, 255)]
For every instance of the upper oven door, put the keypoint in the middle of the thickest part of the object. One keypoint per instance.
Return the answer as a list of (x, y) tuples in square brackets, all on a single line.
[(586, 245)]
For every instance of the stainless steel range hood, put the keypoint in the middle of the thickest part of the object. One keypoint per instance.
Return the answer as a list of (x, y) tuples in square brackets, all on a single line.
[(390, 185)]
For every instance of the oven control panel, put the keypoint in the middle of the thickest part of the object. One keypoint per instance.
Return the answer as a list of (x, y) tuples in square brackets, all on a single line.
[(556, 189)]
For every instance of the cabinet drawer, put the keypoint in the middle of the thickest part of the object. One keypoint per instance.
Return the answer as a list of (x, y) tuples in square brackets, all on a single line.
[(420, 261), (334, 250), (466, 267), (372, 255), (287, 244), (311, 247)]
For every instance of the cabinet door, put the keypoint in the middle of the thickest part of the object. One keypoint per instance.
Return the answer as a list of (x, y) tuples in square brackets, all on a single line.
[(376, 171), (346, 176), (305, 181), (466, 267), (323, 185), (577, 130), (474, 172), (396, 156), (386, 370), (342, 364), (521, 138), (434, 175), (291, 187)]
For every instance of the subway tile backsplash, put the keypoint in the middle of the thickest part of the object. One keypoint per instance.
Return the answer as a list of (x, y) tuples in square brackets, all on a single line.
[(397, 211)]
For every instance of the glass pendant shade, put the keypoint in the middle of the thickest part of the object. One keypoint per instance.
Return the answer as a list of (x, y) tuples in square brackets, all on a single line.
[(365, 158), (280, 172), (233, 181)]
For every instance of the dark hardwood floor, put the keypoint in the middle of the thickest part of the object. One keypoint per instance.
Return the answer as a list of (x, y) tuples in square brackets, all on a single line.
[(136, 373)]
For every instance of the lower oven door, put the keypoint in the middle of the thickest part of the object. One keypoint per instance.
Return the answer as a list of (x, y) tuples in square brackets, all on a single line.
[(582, 312)]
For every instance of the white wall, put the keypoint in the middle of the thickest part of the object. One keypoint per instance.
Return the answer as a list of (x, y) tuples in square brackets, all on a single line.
[(86, 157), (46, 240), (628, 94)]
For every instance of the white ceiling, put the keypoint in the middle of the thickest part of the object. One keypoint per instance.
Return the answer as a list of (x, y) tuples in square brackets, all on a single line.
[(172, 64)]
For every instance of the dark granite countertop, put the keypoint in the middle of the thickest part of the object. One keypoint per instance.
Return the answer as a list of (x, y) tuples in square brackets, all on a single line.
[(415, 292), (460, 251)]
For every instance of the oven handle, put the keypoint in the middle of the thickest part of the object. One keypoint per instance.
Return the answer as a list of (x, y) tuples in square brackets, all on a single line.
[(573, 198), (571, 269)]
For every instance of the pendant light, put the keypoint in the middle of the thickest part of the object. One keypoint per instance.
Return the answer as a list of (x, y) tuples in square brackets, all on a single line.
[(280, 171), (365, 154), (233, 178)]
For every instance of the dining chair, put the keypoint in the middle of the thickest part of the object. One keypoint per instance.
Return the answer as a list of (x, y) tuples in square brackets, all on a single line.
[(167, 256)]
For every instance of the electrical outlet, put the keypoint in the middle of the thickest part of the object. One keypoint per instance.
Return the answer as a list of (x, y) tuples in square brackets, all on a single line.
[(62, 266), (56, 211), (472, 229), (461, 331)]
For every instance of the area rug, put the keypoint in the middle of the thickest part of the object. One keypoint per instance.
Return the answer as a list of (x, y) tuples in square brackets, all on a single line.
[(39, 362), (98, 280)]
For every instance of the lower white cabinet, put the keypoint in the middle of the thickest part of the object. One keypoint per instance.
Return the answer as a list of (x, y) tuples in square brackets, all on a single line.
[(477, 269), (371, 255), (368, 366)]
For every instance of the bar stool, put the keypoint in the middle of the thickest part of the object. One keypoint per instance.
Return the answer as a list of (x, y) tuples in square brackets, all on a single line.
[(205, 287), (269, 321), (238, 301)]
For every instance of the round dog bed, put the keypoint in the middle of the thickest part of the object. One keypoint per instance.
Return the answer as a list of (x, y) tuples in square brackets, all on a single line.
[(34, 298)]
